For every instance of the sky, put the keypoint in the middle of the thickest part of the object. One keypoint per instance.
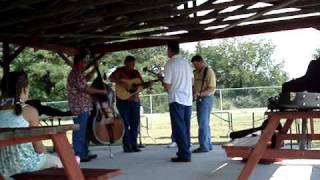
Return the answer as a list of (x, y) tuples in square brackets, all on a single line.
[(295, 48)]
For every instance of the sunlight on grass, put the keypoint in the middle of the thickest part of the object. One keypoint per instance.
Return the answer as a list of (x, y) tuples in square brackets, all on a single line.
[(156, 128)]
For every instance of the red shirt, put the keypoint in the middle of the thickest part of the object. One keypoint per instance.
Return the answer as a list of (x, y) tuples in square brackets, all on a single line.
[(78, 100)]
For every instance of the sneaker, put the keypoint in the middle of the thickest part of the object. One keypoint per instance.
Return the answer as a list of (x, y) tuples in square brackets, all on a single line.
[(179, 159), (172, 145)]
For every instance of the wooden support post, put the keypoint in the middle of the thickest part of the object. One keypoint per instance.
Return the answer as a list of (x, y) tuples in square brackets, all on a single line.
[(6, 52), (260, 148), (9, 56), (67, 157), (284, 130), (304, 130), (66, 59)]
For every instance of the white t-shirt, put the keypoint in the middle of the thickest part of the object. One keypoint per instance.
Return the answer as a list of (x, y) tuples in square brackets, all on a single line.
[(178, 72)]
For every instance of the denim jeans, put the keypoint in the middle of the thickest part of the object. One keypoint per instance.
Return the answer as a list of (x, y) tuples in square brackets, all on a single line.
[(180, 117), (204, 107), (130, 114), (173, 136), (79, 138)]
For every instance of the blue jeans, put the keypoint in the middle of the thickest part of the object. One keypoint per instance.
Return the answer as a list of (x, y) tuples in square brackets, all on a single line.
[(130, 114), (204, 107), (173, 136), (180, 117), (79, 138)]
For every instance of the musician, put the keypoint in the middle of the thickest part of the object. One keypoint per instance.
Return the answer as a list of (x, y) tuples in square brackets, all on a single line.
[(129, 109), (80, 105), (177, 82), (203, 90)]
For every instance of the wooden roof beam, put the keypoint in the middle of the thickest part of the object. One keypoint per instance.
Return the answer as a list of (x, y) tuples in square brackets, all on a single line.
[(208, 35), (9, 5), (36, 43), (23, 18), (151, 5), (261, 13), (188, 24), (156, 16), (99, 38)]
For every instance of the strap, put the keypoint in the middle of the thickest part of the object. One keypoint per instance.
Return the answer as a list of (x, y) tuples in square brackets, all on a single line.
[(203, 78)]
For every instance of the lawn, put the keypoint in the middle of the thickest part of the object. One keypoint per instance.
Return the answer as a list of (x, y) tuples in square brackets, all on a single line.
[(156, 129)]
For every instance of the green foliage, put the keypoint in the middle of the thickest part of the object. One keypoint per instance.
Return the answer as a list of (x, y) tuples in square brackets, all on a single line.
[(237, 63), (37, 64), (243, 63)]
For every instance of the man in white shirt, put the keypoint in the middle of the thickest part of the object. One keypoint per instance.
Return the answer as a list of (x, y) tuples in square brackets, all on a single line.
[(178, 77)]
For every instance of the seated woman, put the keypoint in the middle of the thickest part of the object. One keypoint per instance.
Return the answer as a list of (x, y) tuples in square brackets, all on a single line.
[(21, 157)]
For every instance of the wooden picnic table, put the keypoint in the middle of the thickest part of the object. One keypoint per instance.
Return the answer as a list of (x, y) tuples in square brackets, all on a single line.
[(11, 136), (261, 149)]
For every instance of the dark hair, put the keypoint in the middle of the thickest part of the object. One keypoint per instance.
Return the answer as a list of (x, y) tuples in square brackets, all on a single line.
[(174, 46), (78, 58), (129, 59), (12, 84), (197, 58)]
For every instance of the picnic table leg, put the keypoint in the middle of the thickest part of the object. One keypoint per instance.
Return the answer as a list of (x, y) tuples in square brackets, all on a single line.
[(67, 157), (302, 144), (260, 147), (284, 130)]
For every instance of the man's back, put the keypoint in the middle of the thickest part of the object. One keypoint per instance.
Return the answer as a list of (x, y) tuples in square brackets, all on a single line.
[(178, 73)]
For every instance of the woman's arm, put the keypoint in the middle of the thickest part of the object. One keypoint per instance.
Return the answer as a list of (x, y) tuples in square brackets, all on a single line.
[(32, 116)]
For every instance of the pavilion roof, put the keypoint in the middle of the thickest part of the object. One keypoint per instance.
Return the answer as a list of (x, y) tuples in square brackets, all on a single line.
[(113, 25)]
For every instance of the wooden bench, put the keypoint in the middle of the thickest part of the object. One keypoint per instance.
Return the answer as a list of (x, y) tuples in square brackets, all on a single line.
[(240, 147), (11, 136), (59, 174)]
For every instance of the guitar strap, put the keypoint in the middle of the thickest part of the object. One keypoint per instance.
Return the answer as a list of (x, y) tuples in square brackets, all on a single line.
[(203, 78)]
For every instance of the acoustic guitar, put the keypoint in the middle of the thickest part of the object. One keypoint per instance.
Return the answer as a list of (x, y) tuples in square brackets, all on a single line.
[(135, 86)]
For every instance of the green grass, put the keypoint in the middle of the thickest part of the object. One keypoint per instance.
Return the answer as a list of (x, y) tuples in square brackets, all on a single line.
[(156, 128)]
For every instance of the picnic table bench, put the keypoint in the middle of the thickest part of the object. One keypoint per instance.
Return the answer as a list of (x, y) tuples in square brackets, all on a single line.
[(11, 136), (261, 150)]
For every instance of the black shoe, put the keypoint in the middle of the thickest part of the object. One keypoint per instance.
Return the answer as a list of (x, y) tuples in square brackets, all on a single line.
[(135, 149), (85, 159), (178, 159), (127, 149), (199, 150), (92, 156)]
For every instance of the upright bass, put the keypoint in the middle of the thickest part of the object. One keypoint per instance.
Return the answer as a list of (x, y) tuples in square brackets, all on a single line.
[(106, 126)]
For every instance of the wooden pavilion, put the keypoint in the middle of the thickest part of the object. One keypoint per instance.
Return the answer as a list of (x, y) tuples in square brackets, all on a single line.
[(66, 26)]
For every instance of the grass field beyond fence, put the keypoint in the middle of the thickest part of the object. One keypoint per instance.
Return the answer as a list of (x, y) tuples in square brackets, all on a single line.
[(156, 128)]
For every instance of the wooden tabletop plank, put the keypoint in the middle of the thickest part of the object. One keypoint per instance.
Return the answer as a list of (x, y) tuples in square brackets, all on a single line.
[(294, 114), (25, 132)]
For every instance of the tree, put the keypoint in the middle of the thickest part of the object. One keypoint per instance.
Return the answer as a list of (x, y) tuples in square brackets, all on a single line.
[(243, 63), (37, 64)]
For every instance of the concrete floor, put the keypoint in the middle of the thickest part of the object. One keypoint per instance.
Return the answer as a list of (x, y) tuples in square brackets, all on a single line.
[(153, 163)]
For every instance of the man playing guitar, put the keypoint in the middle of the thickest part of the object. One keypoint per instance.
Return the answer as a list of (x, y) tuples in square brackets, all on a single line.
[(128, 105)]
